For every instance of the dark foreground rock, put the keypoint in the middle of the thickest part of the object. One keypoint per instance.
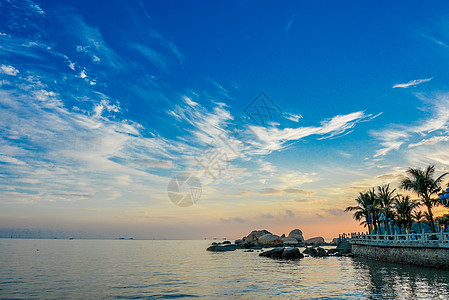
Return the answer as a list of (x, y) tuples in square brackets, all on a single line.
[(283, 253), (222, 248), (315, 252), (344, 245)]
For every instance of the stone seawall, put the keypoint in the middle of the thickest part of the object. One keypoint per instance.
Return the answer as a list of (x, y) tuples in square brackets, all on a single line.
[(434, 257)]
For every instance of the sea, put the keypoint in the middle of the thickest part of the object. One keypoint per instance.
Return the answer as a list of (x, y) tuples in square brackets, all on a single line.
[(183, 269)]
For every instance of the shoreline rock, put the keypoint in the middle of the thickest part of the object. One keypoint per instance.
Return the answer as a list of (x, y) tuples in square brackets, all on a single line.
[(283, 253)]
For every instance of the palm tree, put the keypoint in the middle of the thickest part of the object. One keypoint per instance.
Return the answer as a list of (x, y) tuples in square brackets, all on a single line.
[(404, 207), (386, 202), (366, 209), (418, 217), (362, 211), (424, 185)]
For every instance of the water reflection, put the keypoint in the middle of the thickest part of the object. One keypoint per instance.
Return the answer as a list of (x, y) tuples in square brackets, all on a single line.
[(160, 269), (395, 281)]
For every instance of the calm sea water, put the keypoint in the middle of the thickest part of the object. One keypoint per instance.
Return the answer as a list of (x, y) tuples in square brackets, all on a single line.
[(133, 269)]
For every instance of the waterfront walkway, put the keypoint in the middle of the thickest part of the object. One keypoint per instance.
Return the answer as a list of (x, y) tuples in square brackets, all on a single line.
[(424, 240)]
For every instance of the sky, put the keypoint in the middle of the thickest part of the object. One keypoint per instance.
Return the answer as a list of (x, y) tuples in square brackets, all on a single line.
[(201, 119)]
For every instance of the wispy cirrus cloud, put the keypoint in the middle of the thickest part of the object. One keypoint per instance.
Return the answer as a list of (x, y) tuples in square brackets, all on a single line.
[(432, 129), (274, 138), (292, 117), (411, 83), (390, 140)]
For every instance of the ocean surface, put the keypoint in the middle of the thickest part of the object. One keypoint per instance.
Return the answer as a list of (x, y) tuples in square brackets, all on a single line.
[(154, 269)]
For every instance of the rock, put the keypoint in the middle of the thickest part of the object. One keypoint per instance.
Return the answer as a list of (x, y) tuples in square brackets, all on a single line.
[(248, 245), (273, 253), (238, 242), (290, 241), (332, 251), (266, 246), (334, 241), (283, 235), (321, 252), (222, 248), (315, 241), (315, 252), (344, 245), (249, 250), (226, 243), (214, 244), (283, 252), (291, 253), (271, 240), (296, 234), (253, 237)]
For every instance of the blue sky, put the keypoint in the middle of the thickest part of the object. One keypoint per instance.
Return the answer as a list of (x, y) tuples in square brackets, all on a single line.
[(101, 104)]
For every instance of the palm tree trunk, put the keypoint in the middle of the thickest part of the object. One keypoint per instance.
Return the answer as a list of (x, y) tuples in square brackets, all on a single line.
[(432, 223)]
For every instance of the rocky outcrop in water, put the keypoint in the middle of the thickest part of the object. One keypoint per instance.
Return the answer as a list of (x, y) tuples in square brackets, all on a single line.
[(252, 239), (297, 235), (315, 241), (283, 253), (222, 247)]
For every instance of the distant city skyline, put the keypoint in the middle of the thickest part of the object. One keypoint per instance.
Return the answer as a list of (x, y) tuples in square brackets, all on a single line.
[(279, 114)]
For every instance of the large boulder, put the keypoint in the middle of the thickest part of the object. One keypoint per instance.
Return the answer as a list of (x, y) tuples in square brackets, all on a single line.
[(271, 240), (273, 253), (290, 241), (315, 241), (291, 253), (253, 237), (296, 234), (344, 245), (283, 252)]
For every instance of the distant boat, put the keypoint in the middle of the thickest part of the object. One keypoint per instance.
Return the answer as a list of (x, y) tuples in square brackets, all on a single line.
[(70, 238)]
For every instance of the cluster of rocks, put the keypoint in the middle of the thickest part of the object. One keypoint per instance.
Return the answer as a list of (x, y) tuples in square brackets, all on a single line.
[(343, 249), (284, 246), (265, 238)]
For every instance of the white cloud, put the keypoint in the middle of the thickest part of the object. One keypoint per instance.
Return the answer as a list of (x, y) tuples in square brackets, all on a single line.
[(411, 83), (390, 140), (292, 117), (430, 141), (8, 70), (104, 104), (435, 124), (83, 74), (273, 139)]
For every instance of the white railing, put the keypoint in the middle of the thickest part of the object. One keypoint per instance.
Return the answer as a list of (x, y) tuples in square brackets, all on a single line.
[(439, 240)]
